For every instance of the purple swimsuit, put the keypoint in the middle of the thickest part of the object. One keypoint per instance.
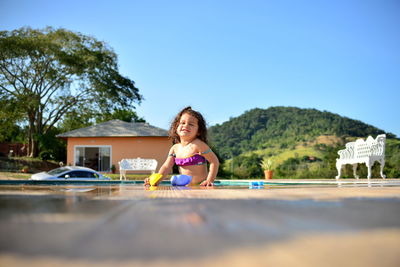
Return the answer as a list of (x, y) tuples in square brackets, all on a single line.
[(196, 159)]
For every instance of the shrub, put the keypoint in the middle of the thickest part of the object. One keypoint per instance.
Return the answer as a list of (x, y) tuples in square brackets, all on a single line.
[(46, 155)]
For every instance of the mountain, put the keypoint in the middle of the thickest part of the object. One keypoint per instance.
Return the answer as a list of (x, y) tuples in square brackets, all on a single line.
[(300, 142), (258, 129)]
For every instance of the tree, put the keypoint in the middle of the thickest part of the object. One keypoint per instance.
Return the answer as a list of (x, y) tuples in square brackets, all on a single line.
[(10, 115), (50, 72), (77, 118), (119, 114), (82, 117)]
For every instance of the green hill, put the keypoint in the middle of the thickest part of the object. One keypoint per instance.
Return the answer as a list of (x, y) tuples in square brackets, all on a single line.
[(292, 137)]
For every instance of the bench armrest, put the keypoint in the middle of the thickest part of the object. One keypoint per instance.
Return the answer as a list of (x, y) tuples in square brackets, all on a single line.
[(348, 152)]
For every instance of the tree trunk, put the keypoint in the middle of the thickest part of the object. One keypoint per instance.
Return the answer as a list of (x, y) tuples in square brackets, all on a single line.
[(35, 149), (29, 148), (32, 147)]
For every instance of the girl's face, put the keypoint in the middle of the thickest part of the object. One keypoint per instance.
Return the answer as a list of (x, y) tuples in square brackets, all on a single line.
[(188, 127)]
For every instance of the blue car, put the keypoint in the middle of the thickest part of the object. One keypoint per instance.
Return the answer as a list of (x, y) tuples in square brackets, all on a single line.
[(71, 173)]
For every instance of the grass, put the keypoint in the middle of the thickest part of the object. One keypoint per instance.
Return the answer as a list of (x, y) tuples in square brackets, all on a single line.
[(14, 175), (115, 176), (278, 156)]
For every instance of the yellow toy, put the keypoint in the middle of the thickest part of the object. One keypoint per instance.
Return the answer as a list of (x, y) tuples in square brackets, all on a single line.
[(154, 178)]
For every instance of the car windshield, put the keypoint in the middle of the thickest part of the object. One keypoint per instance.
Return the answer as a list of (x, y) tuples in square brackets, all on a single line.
[(58, 171)]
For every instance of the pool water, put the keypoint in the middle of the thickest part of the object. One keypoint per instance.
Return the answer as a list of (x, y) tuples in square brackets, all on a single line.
[(224, 183)]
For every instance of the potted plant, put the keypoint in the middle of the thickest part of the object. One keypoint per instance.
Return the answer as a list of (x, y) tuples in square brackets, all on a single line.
[(266, 164), (113, 168), (25, 169)]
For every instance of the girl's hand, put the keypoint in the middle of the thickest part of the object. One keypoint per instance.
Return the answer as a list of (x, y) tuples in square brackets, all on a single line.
[(206, 183), (147, 181)]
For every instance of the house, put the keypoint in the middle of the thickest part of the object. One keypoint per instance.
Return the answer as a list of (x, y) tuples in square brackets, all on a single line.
[(105, 144)]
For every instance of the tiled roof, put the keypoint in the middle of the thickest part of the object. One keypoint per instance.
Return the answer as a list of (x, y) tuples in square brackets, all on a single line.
[(116, 128)]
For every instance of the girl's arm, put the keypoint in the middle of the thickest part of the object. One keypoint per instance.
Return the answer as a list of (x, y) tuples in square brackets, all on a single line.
[(213, 170), (165, 168)]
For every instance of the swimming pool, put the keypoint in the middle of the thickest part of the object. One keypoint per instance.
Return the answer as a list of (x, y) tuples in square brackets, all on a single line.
[(221, 184)]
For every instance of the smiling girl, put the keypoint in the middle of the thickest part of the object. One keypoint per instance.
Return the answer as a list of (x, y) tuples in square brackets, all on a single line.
[(190, 151)]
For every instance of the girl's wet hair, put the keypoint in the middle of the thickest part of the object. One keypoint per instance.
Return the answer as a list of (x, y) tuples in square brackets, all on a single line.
[(202, 132)]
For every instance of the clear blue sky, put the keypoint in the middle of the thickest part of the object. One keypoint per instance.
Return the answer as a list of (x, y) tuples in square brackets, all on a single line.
[(226, 57)]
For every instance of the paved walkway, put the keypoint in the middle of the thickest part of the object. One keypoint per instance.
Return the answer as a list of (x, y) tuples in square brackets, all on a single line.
[(302, 225)]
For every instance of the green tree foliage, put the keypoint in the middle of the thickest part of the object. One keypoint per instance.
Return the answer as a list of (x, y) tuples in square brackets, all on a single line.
[(278, 130), (51, 147), (77, 118), (10, 115), (392, 160), (261, 128), (246, 167), (119, 114), (50, 72), (84, 117)]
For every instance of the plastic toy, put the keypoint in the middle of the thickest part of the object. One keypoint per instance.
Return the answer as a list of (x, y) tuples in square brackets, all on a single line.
[(256, 185), (154, 178), (180, 180)]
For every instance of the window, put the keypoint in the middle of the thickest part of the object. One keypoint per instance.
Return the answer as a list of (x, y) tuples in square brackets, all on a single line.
[(96, 158), (79, 174)]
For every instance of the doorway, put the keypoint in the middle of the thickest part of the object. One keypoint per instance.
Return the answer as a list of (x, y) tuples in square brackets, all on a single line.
[(96, 158)]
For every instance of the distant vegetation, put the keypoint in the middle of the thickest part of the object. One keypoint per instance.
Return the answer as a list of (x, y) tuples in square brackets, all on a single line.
[(303, 143), (52, 79)]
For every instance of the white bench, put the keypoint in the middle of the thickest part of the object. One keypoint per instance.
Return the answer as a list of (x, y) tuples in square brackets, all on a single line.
[(137, 164), (361, 151)]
